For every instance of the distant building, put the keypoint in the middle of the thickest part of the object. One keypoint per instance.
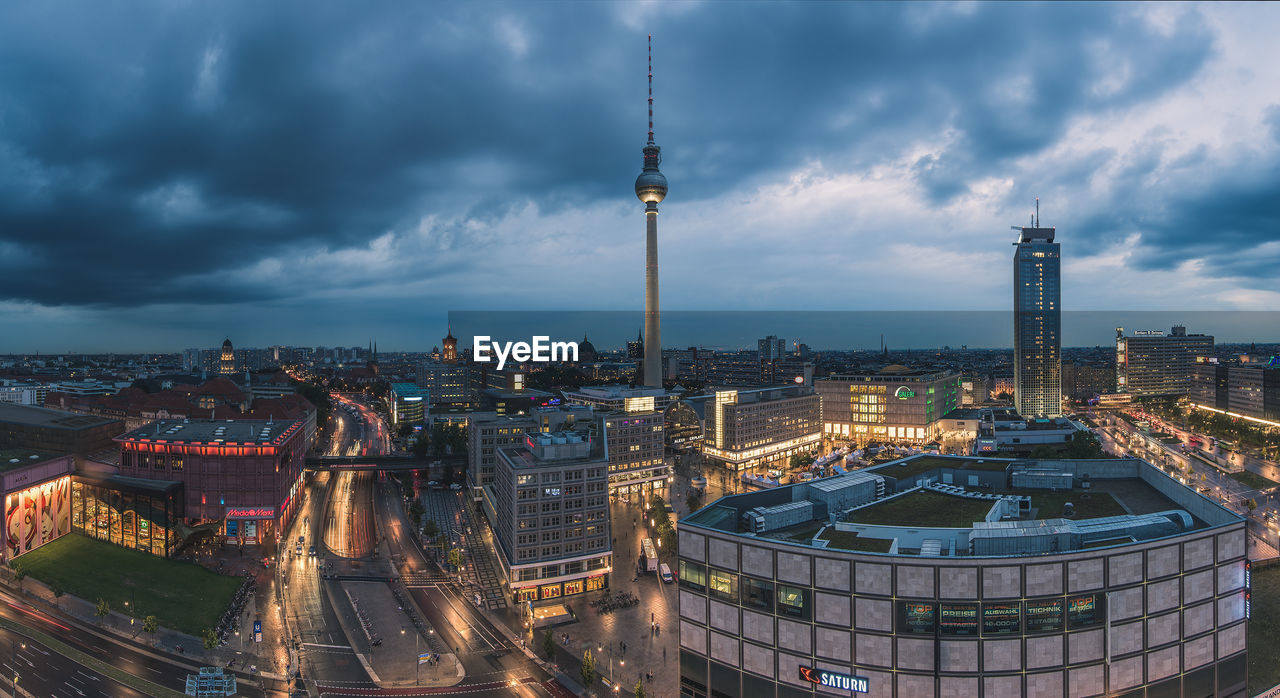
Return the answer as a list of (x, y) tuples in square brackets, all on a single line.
[(1209, 385), (1153, 363), (488, 432), (1008, 433), (1081, 380), (635, 350), (449, 385), (450, 354), (1253, 391), (409, 404), (619, 398), (1037, 322), (771, 348), (634, 446), (549, 511), (55, 431), (227, 359), (896, 404), (750, 428)]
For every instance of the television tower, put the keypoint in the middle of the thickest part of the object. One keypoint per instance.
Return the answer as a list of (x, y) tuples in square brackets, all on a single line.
[(651, 188)]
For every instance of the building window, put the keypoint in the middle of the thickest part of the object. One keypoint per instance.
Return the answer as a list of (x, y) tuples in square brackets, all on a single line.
[(723, 584), (757, 593), (794, 602), (693, 576)]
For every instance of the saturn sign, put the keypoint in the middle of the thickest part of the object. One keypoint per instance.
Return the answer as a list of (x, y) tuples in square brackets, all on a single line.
[(831, 679)]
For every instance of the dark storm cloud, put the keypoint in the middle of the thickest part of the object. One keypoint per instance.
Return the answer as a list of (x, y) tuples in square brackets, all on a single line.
[(149, 148)]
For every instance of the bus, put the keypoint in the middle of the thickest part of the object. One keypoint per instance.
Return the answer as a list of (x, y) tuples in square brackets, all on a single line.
[(649, 555)]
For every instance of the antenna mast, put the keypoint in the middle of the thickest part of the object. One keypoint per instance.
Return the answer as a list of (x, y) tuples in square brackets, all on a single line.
[(651, 88), (1037, 212)]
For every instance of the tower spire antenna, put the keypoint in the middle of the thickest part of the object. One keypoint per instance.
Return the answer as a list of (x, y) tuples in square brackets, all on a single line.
[(1037, 212), (651, 89)]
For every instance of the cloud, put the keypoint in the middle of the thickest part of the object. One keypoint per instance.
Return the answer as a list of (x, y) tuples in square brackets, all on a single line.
[(219, 155)]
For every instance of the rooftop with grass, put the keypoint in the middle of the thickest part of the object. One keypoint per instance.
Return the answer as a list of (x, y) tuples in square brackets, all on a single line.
[(930, 503)]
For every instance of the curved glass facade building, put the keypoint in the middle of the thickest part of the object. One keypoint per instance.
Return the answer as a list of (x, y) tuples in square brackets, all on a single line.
[(954, 576)]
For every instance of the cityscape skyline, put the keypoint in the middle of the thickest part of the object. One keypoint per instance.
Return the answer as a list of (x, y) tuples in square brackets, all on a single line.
[(1156, 201)]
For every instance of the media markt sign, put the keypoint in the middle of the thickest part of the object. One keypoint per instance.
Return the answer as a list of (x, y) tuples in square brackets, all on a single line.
[(904, 393), (831, 679)]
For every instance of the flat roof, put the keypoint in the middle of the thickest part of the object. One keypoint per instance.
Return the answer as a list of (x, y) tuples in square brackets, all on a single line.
[(44, 417), (951, 503), (12, 458), (211, 431)]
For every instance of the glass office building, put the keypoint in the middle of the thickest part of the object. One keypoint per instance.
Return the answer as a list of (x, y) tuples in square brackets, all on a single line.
[(1037, 324)]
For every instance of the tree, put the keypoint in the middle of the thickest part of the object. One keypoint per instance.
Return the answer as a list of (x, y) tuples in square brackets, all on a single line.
[(430, 529), (102, 610), (694, 501), (150, 625), (57, 591), (548, 645), (19, 572), (1252, 504), (455, 559), (639, 689), (588, 668), (1043, 452), (1084, 444), (210, 639), (416, 510)]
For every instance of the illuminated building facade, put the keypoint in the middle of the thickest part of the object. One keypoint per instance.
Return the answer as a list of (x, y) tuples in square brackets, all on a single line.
[(227, 360), (750, 428), (874, 583), (37, 498), (635, 444), (1150, 362), (244, 474), (893, 405), (409, 404), (488, 432), (130, 512), (548, 505), (1037, 323)]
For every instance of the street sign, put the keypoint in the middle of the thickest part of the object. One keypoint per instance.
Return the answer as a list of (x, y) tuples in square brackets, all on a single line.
[(257, 631), (424, 657)]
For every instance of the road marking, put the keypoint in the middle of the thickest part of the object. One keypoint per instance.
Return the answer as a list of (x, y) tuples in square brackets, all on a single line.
[(336, 647)]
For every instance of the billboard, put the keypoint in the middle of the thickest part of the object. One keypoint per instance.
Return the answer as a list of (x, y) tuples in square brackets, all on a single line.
[(37, 515)]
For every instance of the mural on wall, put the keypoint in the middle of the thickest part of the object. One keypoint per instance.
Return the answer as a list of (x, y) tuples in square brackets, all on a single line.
[(37, 515)]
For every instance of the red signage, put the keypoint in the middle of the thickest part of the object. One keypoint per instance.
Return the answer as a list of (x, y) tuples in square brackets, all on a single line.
[(251, 512)]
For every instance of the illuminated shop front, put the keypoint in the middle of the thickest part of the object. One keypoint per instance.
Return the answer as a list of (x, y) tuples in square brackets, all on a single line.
[(36, 515), (249, 525), (554, 590), (37, 491), (128, 511)]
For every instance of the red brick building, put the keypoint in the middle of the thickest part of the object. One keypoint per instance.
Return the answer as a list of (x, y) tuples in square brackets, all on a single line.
[(244, 474)]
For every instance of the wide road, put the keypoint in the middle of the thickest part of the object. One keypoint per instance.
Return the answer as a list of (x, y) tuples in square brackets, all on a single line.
[(44, 672), (494, 666), (349, 527)]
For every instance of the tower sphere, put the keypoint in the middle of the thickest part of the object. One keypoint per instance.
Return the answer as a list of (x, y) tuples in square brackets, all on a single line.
[(651, 186)]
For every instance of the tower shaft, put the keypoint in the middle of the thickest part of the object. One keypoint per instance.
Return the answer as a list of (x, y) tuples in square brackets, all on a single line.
[(652, 325)]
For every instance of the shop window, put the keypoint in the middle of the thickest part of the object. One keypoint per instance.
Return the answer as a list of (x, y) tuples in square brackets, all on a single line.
[(573, 587)]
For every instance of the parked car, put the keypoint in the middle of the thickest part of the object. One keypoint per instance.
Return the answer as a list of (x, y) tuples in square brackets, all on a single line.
[(455, 487)]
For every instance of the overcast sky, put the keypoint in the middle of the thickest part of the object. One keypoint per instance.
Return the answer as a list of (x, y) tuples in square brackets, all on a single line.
[(323, 173)]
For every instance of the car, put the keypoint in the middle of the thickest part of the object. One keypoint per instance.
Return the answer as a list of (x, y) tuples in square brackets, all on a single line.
[(455, 487), (298, 550), (302, 539), (312, 551), (433, 484)]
